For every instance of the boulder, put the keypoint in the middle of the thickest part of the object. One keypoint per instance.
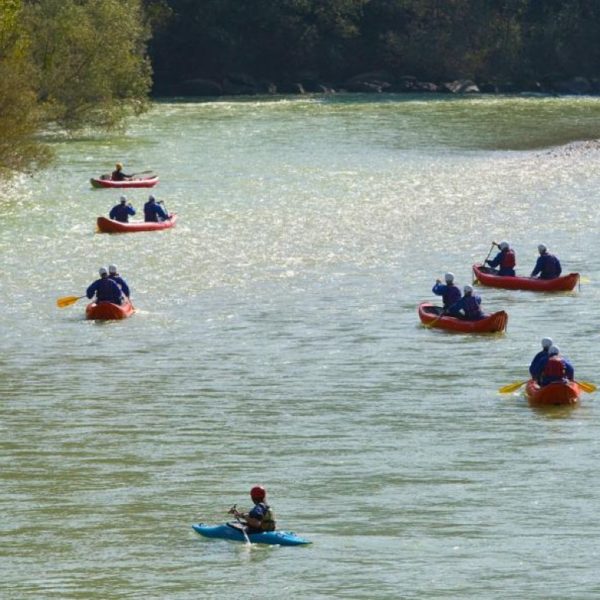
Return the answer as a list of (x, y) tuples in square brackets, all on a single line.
[(576, 86), (461, 86), (199, 87)]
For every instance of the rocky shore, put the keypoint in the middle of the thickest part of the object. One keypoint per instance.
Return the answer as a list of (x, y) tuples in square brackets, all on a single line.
[(241, 84)]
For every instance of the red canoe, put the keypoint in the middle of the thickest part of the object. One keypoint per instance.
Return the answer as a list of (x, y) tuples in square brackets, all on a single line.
[(137, 182), (106, 225), (430, 315), (553, 394), (486, 276), (106, 311)]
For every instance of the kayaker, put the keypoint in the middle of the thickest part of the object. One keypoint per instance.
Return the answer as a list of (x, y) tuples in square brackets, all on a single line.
[(449, 292), (506, 260), (153, 211), (469, 304), (260, 518), (535, 368), (118, 175), (555, 367), (547, 265), (114, 275), (106, 289), (120, 212)]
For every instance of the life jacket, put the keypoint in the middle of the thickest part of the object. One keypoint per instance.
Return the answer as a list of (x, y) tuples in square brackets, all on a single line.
[(509, 260), (451, 295), (471, 308), (268, 521), (554, 369)]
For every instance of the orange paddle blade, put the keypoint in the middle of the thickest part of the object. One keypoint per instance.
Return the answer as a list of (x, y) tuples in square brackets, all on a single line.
[(586, 386), (511, 387)]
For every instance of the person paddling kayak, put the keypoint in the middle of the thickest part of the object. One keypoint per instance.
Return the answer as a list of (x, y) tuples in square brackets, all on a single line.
[(118, 175), (113, 274), (449, 292), (535, 368), (105, 289), (547, 265), (120, 212), (469, 304), (260, 518), (506, 260), (154, 212)]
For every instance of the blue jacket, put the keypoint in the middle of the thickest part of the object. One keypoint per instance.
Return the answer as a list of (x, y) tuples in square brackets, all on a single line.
[(106, 290), (121, 283), (469, 304), (535, 370), (569, 370), (498, 260), (548, 266), (450, 295), (152, 212), (121, 212)]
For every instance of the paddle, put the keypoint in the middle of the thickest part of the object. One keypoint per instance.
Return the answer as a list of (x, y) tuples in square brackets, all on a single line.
[(432, 323), (233, 511), (586, 386), (141, 173), (475, 280), (67, 301)]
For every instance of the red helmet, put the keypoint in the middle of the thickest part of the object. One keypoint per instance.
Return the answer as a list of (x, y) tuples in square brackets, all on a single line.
[(258, 493)]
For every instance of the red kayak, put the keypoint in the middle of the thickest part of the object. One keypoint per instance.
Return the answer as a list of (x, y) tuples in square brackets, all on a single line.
[(487, 276), (106, 311), (430, 315), (553, 394), (106, 225), (137, 182)]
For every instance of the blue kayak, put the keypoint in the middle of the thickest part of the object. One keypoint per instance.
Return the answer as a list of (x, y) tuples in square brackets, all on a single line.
[(229, 531)]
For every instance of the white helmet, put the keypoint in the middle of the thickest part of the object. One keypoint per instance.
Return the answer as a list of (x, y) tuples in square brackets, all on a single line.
[(542, 248), (503, 245), (123, 198), (102, 271), (553, 350), (547, 342), (468, 289), (449, 277), (112, 269)]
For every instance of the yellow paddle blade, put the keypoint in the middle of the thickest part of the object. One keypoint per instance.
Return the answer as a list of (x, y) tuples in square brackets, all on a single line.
[(511, 387), (584, 280), (67, 301), (586, 386)]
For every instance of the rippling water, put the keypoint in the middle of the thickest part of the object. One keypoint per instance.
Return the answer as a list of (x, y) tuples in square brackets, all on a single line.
[(277, 341)]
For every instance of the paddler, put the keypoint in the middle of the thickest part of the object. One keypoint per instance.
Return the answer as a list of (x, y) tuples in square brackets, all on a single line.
[(106, 289), (118, 175), (535, 368), (113, 274), (120, 212), (260, 518), (506, 260), (449, 292), (556, 367), (469, 304), (154, 212), (547, 265)]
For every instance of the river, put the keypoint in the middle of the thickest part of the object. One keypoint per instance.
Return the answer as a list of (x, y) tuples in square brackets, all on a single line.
[(277, 342)]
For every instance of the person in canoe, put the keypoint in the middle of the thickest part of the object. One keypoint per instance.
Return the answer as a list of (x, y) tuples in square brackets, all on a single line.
[(555, 367), (260, 518), (449, 292), (113, 274), (105, 289), (535, 368), (118, 175), (120, 212), (154, 212), (547, 265), (505, 260), (469, 304)]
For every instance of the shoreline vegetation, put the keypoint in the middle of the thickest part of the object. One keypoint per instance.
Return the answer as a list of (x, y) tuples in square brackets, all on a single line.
[(92, 63)]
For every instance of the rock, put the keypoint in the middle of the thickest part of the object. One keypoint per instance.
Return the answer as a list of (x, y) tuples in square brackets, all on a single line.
[(461, 86), (292, 88), (576, 86), (199, 87)]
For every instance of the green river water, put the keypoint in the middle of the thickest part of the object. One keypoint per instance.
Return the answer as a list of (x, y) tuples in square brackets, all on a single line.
[(277, 342)]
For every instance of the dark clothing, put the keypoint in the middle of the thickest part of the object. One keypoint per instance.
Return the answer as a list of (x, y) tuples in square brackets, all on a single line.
[(555, 368), (535, 368), (262, 512), (121, 212), (118, 175), (154, 212), (121, 283), (450, 295), (548, 266), (469, 304), (506, 261), (106, 290)]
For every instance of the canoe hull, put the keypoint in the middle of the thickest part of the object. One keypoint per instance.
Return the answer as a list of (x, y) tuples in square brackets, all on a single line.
[(227, 532), (565, 283), (553, 394), (106, 225), (494, 323), (138, 182), (107, 311)]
